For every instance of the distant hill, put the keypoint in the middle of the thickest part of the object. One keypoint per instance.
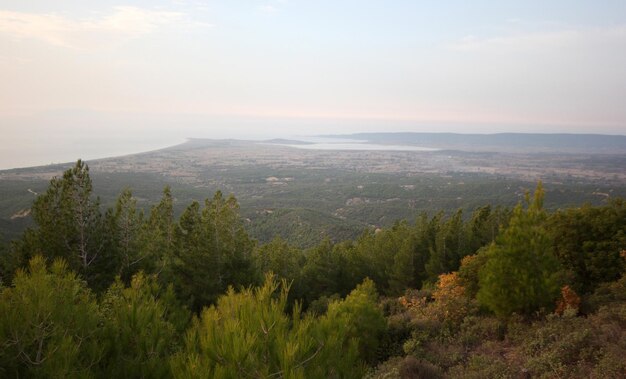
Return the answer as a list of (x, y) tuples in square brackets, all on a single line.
[(503, 142)]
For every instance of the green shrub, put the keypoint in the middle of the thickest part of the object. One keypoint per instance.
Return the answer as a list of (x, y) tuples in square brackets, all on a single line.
[(413, 368), (475, 330), (612, 365), (605, 293), (390, 369), (397, 333), (481, 366), (558, 346)]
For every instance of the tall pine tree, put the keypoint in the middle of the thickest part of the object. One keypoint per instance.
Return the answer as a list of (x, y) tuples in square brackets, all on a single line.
[(520, 273)]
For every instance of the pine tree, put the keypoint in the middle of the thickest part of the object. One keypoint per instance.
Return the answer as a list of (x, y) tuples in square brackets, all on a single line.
[(49, 324), (321, 272), (231, 240), (284, 261), (195, 263), (69, 225), (360, 314), (588, 241), (247, 334), (124, 224), (450, 247), (211, 251), (157, 237), (402, 273), (137, 335), (520, 273)]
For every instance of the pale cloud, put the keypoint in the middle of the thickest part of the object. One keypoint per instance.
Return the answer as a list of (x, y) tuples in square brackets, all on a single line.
[(272, 6), (561, 76), (527, 41), (268, 8), (122, 23)]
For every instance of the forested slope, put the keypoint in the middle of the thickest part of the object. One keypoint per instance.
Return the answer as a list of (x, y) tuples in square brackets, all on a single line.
[(118, 292)]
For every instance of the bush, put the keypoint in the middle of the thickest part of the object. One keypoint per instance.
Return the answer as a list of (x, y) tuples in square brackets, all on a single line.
[(605, 294), (390, 369), (413, 368), (481, 366), (393, 306), (450, 304), (320, 305), (569, 302), (475, 330), (611, 366), (560, 347), (397, 333)]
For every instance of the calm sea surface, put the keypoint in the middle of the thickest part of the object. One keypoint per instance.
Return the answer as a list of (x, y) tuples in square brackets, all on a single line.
[(43, 151)]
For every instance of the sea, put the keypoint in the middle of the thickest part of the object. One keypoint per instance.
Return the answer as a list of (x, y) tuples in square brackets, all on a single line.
[(29, 151), (52, 150)]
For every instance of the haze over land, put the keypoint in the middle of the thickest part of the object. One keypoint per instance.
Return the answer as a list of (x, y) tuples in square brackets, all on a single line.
[(337, 190), (504, 94), (313, 189), (100, 79)]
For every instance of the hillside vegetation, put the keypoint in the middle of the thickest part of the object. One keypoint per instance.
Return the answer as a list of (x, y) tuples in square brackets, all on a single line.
[(93, 291), (304, 196)]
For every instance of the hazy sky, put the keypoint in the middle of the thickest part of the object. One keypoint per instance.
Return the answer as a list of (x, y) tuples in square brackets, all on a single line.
[(255, 68)]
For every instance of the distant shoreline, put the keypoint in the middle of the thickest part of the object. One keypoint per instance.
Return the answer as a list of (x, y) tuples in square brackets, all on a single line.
[(517, 143), (63, 162)]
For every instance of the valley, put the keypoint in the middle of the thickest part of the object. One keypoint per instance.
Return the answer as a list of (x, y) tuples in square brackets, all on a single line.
[(305, 195)]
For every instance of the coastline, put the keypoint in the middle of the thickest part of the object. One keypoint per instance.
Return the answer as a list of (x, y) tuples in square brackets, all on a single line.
[(97, 157)]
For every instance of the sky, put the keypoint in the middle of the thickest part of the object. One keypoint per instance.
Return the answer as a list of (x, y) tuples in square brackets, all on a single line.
[(159, 71)]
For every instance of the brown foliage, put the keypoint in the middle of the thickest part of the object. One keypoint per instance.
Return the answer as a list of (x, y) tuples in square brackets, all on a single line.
[(450, 302), (569, 300)]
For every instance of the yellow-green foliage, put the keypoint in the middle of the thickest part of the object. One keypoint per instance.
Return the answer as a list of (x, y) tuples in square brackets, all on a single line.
[(247, 334), (519, 275), (361, 316), (48, 324), (138, 336), (469, 270)]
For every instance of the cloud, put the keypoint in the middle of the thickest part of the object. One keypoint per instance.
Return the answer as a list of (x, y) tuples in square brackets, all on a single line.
[(529, 41), (122, 23), (272, 6), (268, 8)]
